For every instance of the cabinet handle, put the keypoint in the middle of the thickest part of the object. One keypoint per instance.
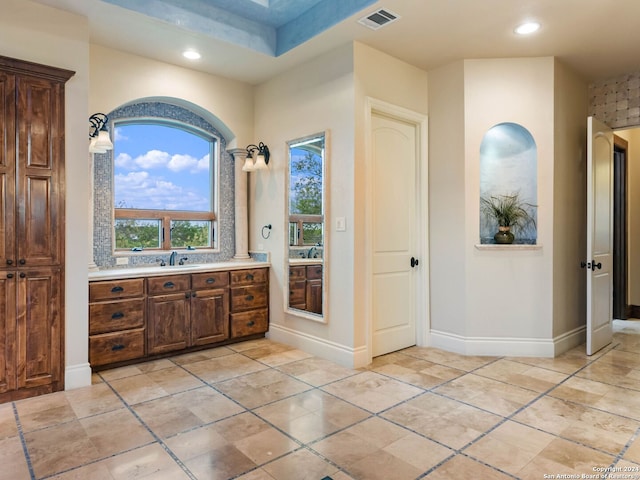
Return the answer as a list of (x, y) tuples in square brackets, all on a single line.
[(194, 294), (9, 275), (116, 347), (249, 276), (9, 262), (117, 315), (251, 323), (22, 275), (22, 261), (186, 295), (248, 298), (117, 289), (211, 280), (169, 285)]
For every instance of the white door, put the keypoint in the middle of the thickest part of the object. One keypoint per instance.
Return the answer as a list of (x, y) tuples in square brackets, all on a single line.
[(394, 180), (599, 261)]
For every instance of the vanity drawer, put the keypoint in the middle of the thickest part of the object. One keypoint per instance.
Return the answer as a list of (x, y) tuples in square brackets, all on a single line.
[(246, 298), (115, 289), (116, 347), (297, 273), (297, 293), (248, 277), (112, 316), (314, 272), (168, 284), (247, 323), (209, 280)]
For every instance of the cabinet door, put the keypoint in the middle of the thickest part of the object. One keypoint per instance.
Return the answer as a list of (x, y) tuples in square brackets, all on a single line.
[(209, 316), (40, 166), (314, 296), (7, 169), (7, 331), (39, 328), (168, 322)]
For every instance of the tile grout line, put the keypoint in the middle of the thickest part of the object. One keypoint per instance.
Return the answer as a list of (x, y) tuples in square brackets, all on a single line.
[(160, 441), (23, 441)]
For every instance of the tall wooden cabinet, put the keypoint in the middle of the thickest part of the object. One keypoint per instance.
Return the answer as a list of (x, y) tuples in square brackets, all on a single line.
[(31, 228)]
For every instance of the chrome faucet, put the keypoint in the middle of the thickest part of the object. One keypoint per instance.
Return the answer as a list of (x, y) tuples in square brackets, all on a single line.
[(313, 252), (172, 258)]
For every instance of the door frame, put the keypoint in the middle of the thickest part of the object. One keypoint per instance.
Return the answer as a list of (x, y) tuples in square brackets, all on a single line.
[(620, 270), (420, 122)]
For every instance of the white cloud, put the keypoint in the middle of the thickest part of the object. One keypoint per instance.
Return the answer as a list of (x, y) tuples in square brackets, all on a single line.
[(124, 160), (140, 190), (118, 136), (153, 159), (203, 164), (181, 162)]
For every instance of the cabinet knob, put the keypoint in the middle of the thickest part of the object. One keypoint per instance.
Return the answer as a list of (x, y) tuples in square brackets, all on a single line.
[(117, 346), (251, 323), (248, 298), (211, 280), (117, 289), (9, 261), (117, 315), (9, 275), (22, 275), (249, 276), (169, 285), (22, 261)]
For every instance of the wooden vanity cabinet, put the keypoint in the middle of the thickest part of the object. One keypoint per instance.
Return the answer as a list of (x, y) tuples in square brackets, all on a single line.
[(249, 302), (116, 321), (168, 311), (137, 318)]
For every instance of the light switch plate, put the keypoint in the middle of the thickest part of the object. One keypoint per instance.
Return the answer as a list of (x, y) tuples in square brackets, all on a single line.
[(341, 224)]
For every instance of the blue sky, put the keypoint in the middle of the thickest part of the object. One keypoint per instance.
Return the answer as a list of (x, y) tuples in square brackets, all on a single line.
[(161, 167)]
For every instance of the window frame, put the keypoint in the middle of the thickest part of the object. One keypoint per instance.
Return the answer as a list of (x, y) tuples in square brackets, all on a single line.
[(167, 216)]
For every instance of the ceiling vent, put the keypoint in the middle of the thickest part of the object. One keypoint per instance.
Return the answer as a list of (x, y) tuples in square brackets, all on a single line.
[(378, 19)]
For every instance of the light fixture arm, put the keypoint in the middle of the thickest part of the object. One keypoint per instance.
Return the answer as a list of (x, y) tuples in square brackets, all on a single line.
[(261, 148), (97, 122)]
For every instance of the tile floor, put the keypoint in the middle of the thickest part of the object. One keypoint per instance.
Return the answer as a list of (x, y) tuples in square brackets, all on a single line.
[(261, 410)]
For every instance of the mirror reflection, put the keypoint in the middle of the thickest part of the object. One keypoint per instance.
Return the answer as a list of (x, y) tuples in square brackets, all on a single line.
[(306, 244)]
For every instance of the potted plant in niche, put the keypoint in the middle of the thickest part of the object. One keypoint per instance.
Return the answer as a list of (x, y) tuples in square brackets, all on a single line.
[(509, 212)]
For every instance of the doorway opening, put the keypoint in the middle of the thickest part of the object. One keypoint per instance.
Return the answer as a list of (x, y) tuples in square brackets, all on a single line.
[(620, 271)]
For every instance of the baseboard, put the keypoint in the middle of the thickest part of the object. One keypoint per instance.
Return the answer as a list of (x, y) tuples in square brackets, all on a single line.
[(341, 354), (76, 376), (506, 346)]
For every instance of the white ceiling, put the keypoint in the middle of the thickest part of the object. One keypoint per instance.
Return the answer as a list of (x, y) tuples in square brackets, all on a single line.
[(597, 38)]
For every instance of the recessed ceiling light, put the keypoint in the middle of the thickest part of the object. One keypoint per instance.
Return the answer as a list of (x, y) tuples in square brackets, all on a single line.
[(191, 54), (527, 28)]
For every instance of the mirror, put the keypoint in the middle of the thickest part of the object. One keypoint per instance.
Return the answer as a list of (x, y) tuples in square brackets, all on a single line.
[(306, 236)]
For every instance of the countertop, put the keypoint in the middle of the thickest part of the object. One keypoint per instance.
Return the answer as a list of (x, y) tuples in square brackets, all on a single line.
[(305, 261), (157, 271)]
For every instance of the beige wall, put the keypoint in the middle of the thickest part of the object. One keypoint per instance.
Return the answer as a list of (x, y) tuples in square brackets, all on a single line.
[(502, 300), (30, 31), (569, 190), (118, 78)]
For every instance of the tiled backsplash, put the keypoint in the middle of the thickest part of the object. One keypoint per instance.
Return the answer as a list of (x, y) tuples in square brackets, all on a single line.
[(103, 191), (616, 101)]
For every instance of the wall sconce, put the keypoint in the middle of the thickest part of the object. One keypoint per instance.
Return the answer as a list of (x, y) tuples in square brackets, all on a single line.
[(262, 158), (98, 134)]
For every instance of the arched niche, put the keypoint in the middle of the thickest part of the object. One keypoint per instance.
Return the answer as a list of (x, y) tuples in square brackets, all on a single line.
[(509, 166)]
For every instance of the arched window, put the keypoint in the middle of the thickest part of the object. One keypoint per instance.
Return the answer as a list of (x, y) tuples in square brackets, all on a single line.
[(508, 170)]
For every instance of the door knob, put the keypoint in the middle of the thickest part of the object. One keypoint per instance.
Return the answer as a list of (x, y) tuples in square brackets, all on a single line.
[(414, 262)]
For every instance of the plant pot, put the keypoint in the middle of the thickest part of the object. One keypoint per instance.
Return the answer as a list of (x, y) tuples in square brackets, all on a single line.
[(504, 236)]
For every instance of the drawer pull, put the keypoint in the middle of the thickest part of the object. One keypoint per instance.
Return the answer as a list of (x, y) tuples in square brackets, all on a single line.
[(9, 275), (251, 323), (248, 298), (117, 346), (117, 289), (117, 315), (211, 280), (169, 285), (249, 276)]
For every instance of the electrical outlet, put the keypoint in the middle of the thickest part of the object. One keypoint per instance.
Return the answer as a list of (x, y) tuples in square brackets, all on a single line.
[(341, 224), (122, 261)]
